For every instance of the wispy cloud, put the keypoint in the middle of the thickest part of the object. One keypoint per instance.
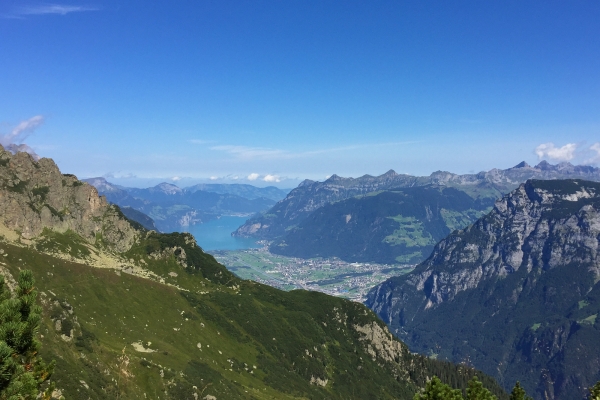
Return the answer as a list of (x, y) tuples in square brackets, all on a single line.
[(248, 153), (43, 9), (595, 150), (60, 9), (20, 132), (549, 150)]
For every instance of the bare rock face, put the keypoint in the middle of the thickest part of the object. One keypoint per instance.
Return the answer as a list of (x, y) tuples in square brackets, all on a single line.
[(517, 293), (531, 226), (34, 195)]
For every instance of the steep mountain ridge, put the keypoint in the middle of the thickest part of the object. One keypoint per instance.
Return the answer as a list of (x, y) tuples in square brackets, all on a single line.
[(515, 294), (485, 187)]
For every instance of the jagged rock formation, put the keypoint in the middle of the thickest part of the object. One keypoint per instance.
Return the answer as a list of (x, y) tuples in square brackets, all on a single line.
[(34, 196), (484, 186), (515, 294)]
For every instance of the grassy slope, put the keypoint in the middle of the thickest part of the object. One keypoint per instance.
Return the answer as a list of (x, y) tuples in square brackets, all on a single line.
[(400, 226), (256, 341)]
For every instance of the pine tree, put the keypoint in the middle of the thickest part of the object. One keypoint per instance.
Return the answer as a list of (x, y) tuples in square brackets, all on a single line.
[(22, 371), (595, 391), (518, 393), (476, 391), (436, 390)]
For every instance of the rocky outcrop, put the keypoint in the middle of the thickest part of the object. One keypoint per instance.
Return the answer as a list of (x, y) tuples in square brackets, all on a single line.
[(380, 343), (34, 196), (512, 292)]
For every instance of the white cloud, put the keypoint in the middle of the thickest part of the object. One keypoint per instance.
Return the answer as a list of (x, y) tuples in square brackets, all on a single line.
[(176, 178), (22, 131), (60, 9), (564, 153), (119, 175), (213, 178), (595, 158), (271, 178), (253, 176)]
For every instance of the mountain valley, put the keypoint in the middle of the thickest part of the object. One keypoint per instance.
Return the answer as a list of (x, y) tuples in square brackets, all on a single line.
[(362, 219), (131, 313)]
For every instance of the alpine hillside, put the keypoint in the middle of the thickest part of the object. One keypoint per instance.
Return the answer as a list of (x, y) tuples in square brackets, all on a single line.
[(391, 226), (135, 314)]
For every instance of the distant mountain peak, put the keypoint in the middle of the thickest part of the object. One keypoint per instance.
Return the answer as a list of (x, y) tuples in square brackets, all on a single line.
[(102, 184), (544, 166), (522, 164), (306, 182), (168, 188)]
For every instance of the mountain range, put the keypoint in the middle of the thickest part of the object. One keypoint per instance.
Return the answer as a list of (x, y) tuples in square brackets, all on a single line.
[(391, 226), (516, 294), (320, 209), (172, 208), (136, 314)]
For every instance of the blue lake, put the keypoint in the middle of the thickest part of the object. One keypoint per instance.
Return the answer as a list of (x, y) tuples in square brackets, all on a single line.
[(216, 235)]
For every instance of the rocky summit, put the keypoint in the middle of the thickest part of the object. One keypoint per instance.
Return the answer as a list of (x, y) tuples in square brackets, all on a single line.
[(35, 197), (516, 294)]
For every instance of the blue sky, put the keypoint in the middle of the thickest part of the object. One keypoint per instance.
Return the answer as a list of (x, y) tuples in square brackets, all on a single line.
[(272, 92)]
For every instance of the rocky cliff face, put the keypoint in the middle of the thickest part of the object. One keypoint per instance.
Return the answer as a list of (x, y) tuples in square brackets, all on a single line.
[(484, 186), (34, 196), (516, 293)]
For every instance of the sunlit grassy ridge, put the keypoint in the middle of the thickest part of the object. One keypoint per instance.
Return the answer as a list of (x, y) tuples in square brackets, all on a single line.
[(204, 331)]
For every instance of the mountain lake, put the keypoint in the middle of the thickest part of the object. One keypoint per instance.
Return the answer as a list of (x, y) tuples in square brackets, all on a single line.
[(216, 234)]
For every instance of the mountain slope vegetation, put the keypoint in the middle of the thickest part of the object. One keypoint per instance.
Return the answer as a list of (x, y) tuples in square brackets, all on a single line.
[(516, 294), (393, 226), (130, 313)]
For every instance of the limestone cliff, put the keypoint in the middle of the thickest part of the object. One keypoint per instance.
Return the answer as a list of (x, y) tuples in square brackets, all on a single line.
[(34, 196), (516, 293)]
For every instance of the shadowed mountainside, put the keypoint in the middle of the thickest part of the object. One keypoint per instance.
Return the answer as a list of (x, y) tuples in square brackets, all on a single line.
[(516, 294)]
